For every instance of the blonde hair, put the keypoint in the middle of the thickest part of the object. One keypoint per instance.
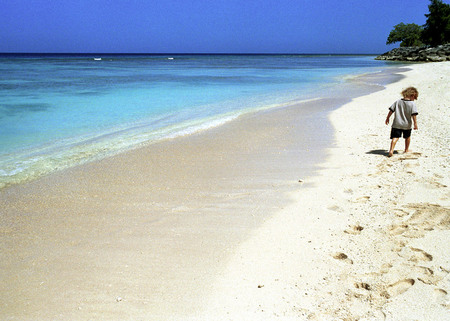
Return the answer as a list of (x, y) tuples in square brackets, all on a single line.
[(410, 92)]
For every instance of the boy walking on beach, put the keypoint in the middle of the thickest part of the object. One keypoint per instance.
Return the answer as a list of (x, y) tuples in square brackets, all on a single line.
[(405, 112)]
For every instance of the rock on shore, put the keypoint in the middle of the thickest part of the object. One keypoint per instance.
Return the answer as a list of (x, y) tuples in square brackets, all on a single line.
[(425, 53)]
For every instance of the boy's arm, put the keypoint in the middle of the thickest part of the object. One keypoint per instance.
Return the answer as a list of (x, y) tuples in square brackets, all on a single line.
[(388, 116), (414, 117)]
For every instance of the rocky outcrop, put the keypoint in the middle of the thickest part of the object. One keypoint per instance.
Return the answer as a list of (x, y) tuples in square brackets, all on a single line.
[(439, 53)]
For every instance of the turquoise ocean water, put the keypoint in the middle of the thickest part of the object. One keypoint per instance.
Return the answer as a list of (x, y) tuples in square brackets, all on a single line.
[(57, 111)]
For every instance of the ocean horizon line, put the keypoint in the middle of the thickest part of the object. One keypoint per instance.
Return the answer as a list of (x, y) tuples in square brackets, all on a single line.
[(177, 54)]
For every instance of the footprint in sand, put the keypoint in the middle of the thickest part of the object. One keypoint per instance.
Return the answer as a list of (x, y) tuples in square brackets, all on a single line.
[(435, 184), (354, 229), (362, 199), (385, 268), (430, 215), (420, 255), (411, 166), (423, 217), (363, 285), (440, 292), (440, 297), (400, 212), (409, 156), (424, 270), (426, 275), (398, 229), (398, 288), (343, 257), (406, 231), (425, 211)]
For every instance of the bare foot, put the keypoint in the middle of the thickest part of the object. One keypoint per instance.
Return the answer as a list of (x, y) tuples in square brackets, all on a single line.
[(391, 154)]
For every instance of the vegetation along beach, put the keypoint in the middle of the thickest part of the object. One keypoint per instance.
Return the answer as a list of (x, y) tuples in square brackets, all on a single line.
[(244, 175)]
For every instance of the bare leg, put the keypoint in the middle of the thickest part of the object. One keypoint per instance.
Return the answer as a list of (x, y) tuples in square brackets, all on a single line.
[(407, 142), (393, 142)]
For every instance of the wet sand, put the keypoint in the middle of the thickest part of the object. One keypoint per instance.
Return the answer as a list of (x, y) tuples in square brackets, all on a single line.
[(246, 220), (151, 228)]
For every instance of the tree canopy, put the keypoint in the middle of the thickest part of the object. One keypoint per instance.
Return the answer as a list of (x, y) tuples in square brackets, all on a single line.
[(437, 27), (409, 35), (436, 30)]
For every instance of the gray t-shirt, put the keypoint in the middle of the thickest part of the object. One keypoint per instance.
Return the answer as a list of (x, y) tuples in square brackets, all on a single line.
[(403, 110)]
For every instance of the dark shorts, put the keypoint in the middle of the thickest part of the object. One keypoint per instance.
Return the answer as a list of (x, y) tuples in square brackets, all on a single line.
[(397, 133)]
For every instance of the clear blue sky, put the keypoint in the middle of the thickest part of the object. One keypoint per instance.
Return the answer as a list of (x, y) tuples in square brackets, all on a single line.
[(204, 26)]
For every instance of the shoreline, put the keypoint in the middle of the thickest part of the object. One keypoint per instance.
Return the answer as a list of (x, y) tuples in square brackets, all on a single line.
[(152, 226), (114, 241), (29, 163), (146, 139)]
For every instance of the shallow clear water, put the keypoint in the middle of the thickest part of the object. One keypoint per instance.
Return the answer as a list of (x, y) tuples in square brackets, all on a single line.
[(59, 111)]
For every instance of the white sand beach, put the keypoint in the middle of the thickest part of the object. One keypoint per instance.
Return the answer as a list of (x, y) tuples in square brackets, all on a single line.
[(184, 230), (369, 240)]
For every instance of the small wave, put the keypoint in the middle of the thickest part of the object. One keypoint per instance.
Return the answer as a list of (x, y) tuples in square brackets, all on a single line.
[(203, 126)]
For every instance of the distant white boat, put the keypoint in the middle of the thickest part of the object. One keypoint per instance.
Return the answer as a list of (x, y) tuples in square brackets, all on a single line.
[(170, 58), (98, 59)]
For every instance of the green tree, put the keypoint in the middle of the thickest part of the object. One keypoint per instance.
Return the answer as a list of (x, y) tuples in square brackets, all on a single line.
[(437, 27), (409, 35)]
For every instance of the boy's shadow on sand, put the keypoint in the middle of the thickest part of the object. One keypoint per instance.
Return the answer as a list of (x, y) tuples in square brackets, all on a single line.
[(382, 152)]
